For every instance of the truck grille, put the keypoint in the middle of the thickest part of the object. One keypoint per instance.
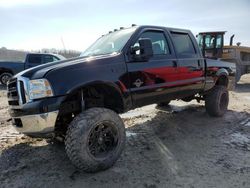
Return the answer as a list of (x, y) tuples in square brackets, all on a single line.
[(12, 94), (15, 92)]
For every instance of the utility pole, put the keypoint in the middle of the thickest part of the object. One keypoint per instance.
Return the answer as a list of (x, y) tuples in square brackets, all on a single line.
[(63, 44)]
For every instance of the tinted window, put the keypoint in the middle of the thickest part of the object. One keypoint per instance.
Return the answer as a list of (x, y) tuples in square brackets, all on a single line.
[(35, 59), (48, 58), (183, 44), (55, 58), (159, 42)]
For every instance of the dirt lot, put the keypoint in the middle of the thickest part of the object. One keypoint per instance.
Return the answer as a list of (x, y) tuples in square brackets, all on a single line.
[(175, 146)]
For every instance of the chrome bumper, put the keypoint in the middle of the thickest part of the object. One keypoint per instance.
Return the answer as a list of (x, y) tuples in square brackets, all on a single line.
[(36, 124)]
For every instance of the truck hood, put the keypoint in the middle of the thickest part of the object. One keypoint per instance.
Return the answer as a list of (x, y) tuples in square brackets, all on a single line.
[(31, 71), (41, 70)]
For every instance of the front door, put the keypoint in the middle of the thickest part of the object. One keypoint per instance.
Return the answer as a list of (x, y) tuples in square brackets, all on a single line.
[(153, 80)]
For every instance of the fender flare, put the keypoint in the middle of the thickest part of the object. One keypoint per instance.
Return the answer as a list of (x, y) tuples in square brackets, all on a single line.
[(111, 84), (222, 77), (222, 72), (105, 83)]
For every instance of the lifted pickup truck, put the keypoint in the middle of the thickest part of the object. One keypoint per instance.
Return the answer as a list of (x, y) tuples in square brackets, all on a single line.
[(81, 98), (9, 68)]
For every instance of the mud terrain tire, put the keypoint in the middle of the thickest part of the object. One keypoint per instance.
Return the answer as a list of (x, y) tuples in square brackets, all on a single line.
[(216, 101), (95, 139)]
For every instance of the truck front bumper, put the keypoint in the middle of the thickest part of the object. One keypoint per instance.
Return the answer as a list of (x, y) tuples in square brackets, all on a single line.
[(37, 118), (37, 124)]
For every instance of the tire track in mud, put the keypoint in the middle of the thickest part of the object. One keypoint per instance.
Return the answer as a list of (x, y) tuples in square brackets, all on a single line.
[(149, 148), (238, 137), (152, 149), (245, 122)]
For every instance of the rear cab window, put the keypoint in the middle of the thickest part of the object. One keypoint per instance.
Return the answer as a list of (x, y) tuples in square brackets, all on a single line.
[(35, 59), (49, 58)]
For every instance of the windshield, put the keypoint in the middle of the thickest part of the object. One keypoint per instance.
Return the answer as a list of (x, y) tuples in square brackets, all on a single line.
[(110, 43)]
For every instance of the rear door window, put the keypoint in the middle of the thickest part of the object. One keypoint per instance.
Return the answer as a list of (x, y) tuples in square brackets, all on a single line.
[(183, 44)]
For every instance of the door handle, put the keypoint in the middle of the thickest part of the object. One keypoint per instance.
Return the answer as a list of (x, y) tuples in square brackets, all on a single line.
[(199, 64), (175, 63)]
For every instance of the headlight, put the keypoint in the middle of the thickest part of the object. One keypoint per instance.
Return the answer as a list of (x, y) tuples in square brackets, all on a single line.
[(39, 88)]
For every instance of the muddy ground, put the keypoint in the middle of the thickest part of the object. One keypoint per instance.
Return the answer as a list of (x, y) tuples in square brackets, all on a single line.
[(175, 146)]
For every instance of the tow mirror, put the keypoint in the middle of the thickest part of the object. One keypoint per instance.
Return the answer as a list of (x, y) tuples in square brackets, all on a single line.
[(145, 50)]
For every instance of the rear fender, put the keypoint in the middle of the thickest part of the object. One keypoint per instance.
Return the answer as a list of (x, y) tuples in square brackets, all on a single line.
[(229, 83), (222, 72)]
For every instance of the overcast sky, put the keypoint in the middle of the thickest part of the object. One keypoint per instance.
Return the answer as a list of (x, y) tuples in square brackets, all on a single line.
[(36, 24)]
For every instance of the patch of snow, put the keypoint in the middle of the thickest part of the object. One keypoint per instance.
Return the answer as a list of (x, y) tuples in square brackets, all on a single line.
[(240, 138), (139, 112), (248, 124), (245, 122), (247, 97), (129, 134)]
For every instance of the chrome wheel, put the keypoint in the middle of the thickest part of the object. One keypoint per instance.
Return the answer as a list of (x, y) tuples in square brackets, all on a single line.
[(5, 78)]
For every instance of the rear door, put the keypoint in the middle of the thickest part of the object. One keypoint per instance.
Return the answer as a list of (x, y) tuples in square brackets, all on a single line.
[(153, 80), (191, 65)]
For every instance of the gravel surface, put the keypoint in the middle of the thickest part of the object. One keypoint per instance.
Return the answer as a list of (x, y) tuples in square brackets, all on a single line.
[(175, 146)]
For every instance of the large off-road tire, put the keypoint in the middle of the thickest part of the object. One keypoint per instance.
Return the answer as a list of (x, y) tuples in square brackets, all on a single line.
[(216, 101), (95, 139), (4, 78)]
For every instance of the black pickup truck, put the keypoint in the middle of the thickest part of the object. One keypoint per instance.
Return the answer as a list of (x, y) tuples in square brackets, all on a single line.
[(9, 68), (80, 98)]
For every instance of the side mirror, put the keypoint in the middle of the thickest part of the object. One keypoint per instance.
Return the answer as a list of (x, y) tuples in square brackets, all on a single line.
[(146, 50)]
